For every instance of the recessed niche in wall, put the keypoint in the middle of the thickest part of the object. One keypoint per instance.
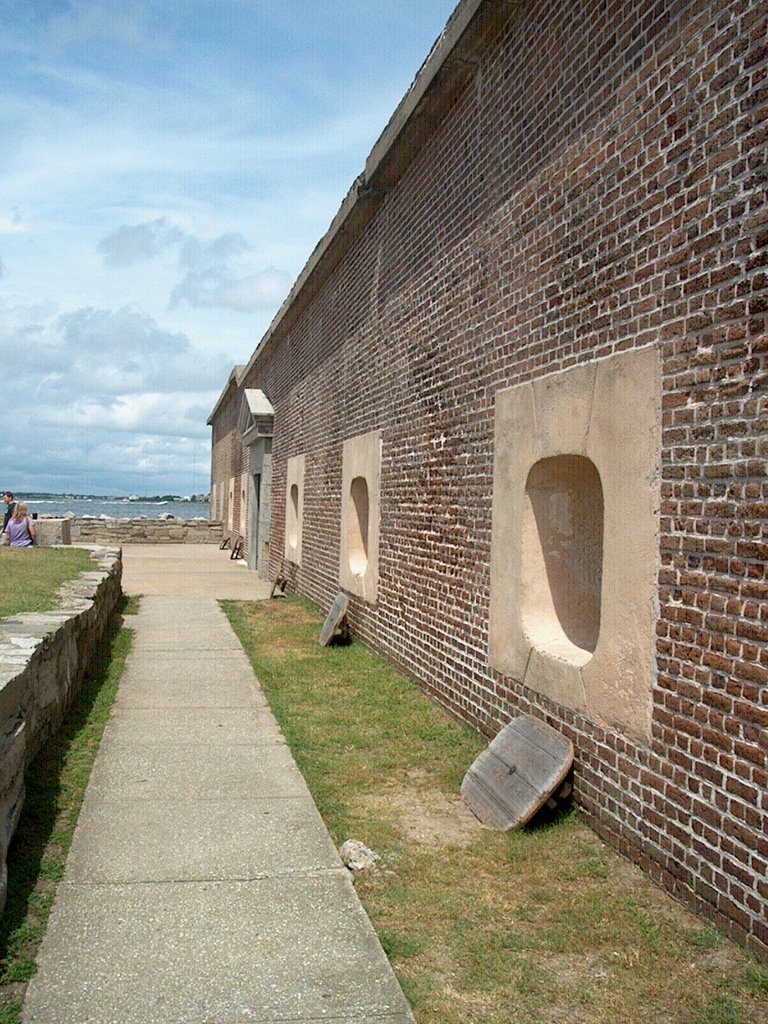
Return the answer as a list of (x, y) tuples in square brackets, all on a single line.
[(574, 545), (562, 556), (360, 495), (359, 509), (293, 516), (294, 508)]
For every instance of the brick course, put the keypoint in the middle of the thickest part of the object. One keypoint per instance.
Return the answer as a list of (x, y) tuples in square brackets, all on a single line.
[(229, 461), (597, 184)]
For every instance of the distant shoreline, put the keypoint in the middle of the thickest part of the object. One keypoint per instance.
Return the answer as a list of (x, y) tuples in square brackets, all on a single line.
[(198, 499)]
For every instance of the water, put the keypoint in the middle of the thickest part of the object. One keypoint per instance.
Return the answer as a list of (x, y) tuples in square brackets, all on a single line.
[(117, 508)]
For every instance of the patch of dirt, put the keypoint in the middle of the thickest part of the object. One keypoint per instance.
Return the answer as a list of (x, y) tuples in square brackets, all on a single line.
[(431, 817), (428, 815)]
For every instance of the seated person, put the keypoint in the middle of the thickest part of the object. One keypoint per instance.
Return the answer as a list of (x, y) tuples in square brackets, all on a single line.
[(21, 529), (10, 505)]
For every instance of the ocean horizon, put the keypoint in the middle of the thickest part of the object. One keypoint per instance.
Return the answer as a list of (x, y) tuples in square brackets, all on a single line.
[(57, 507)]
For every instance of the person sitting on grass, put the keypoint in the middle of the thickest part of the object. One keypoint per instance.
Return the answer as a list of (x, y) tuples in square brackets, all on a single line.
[(21, 529)]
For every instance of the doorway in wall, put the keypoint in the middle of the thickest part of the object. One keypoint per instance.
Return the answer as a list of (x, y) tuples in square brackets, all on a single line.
[(254, 501)]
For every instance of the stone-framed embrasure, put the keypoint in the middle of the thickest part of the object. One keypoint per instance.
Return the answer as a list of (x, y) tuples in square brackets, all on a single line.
[(574, 550), (294, 508), (256, 425), (360, 505)]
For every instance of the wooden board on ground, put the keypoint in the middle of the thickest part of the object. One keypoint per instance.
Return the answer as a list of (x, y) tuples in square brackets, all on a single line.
[(518, 772), (280, 583), (333, 622)]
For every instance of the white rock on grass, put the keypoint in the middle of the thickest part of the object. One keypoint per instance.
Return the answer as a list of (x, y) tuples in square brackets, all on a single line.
[(357, 857)]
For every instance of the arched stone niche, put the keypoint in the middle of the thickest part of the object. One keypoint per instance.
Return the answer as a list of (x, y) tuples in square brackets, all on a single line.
[(294, 508), (574, 548), (561, 566), (359, 509), (360, 502)]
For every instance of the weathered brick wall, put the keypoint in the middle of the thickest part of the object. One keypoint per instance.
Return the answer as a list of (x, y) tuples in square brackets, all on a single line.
[(597, 185), (229, 464)]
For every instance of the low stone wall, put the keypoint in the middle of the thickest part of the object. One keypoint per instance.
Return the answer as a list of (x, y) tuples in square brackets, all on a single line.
[(51, 532), (146, 531), (43, 658)]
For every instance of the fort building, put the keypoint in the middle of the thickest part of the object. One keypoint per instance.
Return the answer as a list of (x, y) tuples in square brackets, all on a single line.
[(514, 407)]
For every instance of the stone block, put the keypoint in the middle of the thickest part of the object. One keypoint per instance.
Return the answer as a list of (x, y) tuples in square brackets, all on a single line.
[(51, 532), (574, 546)]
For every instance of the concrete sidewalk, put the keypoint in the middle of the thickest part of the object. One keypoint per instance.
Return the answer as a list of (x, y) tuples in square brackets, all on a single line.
[(202, 886), (189, 570)]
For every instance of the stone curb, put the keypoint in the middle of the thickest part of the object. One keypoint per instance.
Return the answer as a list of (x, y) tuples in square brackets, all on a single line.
[(43, 658)]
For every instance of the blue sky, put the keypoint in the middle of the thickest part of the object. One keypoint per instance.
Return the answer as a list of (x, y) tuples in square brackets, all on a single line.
[(167, 167)]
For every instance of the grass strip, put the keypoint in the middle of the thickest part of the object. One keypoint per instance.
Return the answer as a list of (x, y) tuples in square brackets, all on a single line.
[(30, 577), (55, 787), (536, 925)]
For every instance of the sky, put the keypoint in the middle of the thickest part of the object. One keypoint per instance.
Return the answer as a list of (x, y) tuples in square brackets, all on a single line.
[(166, 169)]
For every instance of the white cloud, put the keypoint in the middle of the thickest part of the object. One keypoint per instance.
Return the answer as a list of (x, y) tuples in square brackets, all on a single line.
[(259, 291), (10, 223), (95, 385), (167, 169), (135, 243), (217, 273), (155, 413), (215, 276), (123, 350)]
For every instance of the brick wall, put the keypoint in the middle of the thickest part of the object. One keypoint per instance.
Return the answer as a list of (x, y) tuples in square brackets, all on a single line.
[(597, 184), (229, 462)]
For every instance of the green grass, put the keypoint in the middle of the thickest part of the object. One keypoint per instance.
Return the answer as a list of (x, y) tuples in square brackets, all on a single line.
[(30, 577), (535, 925), (55, 787)]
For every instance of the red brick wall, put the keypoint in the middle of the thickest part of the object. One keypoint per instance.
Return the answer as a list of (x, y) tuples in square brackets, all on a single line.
[(599, 184), (229, 459)]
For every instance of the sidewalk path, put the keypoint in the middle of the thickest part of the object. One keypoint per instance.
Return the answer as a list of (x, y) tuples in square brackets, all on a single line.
[(202, 886)]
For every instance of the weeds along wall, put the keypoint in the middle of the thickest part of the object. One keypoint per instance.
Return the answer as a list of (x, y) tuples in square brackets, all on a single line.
[(587, 181)]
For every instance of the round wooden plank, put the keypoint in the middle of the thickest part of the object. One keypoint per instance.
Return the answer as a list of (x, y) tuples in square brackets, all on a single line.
[(333, 621), (521, 768)]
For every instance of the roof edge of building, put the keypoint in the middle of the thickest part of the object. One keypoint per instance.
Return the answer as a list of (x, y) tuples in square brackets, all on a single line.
[(236, 376), (451, 61)]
